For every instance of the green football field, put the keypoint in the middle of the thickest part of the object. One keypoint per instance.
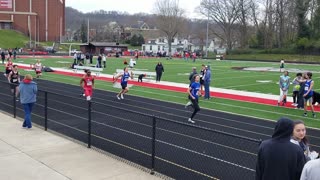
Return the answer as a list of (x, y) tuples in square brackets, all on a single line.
[(225, 74)]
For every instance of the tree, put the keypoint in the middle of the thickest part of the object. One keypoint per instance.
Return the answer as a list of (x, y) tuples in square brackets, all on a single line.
[(140, 40), (302, 7), (225, 14), (134, 40), (83, 32), (169, 19)]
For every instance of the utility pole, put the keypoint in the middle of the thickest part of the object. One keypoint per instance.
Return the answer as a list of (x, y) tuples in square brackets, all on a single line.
[(207, 41), (88, 33)]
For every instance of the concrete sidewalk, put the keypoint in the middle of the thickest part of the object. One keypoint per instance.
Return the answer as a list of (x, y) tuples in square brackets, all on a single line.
[(37, 155)]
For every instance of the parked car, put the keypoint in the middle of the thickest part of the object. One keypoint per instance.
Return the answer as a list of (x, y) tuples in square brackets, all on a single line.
[(38, 53)]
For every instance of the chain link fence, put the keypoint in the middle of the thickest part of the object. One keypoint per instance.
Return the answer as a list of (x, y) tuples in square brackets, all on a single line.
[(178, 150)]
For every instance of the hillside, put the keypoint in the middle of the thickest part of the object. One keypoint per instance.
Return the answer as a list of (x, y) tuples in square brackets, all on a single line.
[(12, 39)]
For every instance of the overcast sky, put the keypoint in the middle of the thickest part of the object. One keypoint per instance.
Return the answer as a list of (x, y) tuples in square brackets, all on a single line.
[(130, 6)]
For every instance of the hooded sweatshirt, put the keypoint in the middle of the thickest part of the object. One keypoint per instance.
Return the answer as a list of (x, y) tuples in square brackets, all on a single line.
[(278, 158), (28, 91)]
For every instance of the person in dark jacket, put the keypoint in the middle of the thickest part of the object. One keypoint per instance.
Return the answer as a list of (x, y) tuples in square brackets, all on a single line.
[(278, 158), (159, 70), (300, 95), (192, 75)]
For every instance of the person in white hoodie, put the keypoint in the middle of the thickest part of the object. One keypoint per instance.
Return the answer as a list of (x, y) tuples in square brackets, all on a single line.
[(311, 170)]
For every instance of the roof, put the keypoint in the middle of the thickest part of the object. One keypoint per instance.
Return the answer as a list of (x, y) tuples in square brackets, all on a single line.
[(106, 44)]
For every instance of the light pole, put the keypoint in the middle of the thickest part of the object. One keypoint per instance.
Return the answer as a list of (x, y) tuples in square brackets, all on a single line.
[(207, 41)]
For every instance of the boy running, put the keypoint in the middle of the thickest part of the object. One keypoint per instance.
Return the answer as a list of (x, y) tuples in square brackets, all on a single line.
[(87, 83), (193, 92), (124, 82), (9, 65)]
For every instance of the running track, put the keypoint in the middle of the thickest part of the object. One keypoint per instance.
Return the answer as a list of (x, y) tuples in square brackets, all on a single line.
[(183, 152)]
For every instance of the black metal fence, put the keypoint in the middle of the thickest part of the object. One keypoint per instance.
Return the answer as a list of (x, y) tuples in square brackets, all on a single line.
[(175, 149)]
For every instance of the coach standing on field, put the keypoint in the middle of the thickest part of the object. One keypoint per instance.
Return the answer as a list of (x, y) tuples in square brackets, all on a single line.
[(159, 70), (206, 81)]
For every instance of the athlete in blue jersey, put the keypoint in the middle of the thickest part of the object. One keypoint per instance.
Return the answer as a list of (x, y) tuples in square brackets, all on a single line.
[(124, 82), (194, 92), (308, 93)]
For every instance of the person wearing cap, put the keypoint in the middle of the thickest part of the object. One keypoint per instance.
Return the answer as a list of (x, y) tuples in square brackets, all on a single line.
[(87, 83), (28, 96), (206, 81)]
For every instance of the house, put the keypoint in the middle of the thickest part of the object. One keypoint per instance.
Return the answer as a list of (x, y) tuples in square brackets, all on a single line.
[(161, 44)]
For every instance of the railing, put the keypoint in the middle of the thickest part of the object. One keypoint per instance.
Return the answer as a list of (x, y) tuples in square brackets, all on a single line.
[(178, 150)]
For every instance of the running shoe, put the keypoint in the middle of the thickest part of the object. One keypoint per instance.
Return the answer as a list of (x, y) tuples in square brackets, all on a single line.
[(314, 115), (118, 97), (191, 121), (188, 104), (121, 96), (305, 114)]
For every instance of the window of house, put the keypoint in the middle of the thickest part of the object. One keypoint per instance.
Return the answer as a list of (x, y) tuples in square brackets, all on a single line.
[(144, 48), (150, 48), (159, 48)]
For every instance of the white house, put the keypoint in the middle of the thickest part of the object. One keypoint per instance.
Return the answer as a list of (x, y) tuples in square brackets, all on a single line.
[(161, 44)]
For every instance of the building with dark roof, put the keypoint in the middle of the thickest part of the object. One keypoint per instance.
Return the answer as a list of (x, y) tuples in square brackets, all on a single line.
[(41, 20), (103, 47)]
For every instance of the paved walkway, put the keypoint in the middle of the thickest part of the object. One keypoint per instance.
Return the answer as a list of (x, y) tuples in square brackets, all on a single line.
[(36, 155)]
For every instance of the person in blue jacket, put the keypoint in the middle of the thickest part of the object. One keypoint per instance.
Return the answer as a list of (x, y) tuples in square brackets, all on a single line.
[(28, 96)]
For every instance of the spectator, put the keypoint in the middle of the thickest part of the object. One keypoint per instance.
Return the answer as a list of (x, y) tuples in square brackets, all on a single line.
[(91, 57), (296, 88), (299, 138), (301, 92), (14, 54), (99, 61), (202, 73), (28, 92), (104, 60), (192, 75), (206, 81), (159, 70), (278, 158), (311, 170), (284, 84), (3, 56)]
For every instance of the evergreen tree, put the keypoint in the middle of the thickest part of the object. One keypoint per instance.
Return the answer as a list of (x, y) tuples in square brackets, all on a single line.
[(302, 7), (83, 32), (140, 40), (134, 40), (315, 24)]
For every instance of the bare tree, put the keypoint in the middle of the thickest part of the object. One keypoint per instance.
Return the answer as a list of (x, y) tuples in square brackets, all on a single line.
[(170, 19), (225, 14)]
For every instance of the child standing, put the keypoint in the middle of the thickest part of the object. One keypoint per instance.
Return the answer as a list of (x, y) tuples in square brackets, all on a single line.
[(296, 88)]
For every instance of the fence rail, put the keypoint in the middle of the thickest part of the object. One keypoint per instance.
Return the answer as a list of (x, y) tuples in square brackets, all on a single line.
[(178, 150)]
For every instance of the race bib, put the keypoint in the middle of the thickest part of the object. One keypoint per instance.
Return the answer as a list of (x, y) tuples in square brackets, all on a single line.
[(14, 80), (89, 83), (306, 88)]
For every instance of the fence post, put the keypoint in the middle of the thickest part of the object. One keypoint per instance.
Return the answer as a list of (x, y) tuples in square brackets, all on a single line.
[(89, 124), (14, 104), (154, 124), (45, 110)]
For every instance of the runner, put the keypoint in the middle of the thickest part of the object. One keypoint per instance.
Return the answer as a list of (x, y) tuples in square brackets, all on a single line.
[(38, 69), (8, 66), (87, 83), (124, 82), (193, 92), (14, 80)]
